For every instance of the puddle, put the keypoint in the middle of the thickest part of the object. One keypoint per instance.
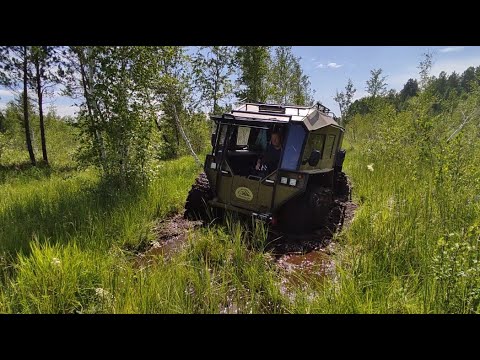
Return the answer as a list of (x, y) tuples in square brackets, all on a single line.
[(303, 269), (308, 258)]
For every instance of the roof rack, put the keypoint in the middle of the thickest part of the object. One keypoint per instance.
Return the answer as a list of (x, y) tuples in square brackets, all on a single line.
[(322, 108)]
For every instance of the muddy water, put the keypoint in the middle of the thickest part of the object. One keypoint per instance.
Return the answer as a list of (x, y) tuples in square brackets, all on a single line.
[(299, 270), (302, 259), (171, 235), (305, 259)]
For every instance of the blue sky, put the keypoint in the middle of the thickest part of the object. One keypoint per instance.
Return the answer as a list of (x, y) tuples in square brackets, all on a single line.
[(330, 67)]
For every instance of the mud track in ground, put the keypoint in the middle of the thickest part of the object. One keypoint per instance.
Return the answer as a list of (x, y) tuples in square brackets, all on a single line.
[(307, 257), (300, 258), (170, 236)]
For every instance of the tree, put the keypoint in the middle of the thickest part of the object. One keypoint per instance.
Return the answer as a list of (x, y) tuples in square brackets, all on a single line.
[(467, 78), (441, 85), (43, 59), (288, 84), (124, 91), (453, 85), (376, 85), (15, 72), (254, 62), (3, 126), (425, 67), (78, 72), (281, 73), (344, 100), (25, 106), (301, 92), (174, 95), (213, 66), (410, 89)]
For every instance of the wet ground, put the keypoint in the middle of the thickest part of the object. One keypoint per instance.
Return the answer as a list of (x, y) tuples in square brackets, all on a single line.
[(308, 257), (300, 258), (171, 235)]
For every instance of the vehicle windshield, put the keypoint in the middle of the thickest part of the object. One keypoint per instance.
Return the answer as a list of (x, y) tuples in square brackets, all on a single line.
[(249, 147)]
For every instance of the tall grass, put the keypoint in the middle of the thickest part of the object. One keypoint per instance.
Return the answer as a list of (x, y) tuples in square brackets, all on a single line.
[(414, 244), (215, 272), (68, 242), (78, 208), (65, 242)]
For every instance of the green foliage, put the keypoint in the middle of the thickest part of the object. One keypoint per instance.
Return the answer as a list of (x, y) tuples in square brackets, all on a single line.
[(410, 89), (62, 137), (415, 187), (456, 267), (118, 112), (288, 84), (3, 144), (213, 66), (344, 100), (425, 67), (80, 264), (376, 85), (254, 62), (3, 126), (54, 279)]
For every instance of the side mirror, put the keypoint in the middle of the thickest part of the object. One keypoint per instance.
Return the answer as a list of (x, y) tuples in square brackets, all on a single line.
[(213, 138), (314, 158)]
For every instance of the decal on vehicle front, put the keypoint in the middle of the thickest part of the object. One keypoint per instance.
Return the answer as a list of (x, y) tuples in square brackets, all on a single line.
[(244, 193)]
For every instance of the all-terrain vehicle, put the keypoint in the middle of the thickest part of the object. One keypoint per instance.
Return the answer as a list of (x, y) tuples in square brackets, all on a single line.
[(295, 194)]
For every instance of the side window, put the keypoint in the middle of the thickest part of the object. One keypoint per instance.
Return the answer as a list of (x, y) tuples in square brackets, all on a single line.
[(221, 137), (242, 135), (329, 147), (315, 142), (261, 140), (293, 147), (222, 133)]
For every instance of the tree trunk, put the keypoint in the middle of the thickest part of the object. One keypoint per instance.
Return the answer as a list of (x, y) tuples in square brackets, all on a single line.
[(90, 108), (215, 91), (197, 160), (25, 109), (40, 112)]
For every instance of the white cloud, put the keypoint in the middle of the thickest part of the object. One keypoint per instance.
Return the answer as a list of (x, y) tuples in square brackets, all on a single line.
[(333, 65), (4, 92), (66, 110), (452, 49), (330, 65)]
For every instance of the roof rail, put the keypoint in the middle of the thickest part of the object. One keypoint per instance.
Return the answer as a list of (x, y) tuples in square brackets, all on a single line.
[(322, 108)]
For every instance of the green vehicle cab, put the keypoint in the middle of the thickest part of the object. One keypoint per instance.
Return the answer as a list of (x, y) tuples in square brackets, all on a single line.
[(295, 188)]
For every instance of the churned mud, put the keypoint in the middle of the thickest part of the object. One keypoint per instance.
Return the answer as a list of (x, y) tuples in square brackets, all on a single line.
[(301, 258), (170, 236), (308, 257)]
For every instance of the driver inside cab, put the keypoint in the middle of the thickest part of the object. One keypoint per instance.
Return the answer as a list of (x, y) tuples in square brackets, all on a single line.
[(268, 162)]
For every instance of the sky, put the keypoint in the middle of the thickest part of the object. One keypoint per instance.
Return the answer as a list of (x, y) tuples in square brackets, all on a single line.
[(330, 67)]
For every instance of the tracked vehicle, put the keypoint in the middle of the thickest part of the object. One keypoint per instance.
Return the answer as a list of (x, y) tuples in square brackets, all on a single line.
[(295, 194)]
